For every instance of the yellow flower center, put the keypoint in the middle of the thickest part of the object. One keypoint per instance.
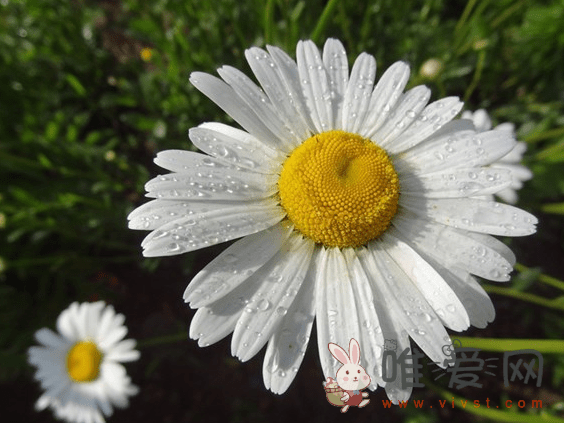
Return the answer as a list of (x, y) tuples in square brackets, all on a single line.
[(339, 189), (83, 362)]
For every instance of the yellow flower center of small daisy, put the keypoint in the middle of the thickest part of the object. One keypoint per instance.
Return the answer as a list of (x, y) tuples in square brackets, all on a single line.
[(83, 362), (339, 189)]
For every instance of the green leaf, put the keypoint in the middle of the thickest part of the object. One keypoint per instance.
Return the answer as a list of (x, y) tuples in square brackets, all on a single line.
[(76, 85), (554, 208)]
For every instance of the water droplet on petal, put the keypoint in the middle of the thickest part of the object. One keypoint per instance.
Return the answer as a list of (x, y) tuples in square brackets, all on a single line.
[(263, 305), (281, 311), (174, 247), (230, 258), (495, 273)]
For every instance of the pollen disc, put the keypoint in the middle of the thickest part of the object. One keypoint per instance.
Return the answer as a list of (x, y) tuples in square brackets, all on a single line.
[(339, 189), (83, 362)]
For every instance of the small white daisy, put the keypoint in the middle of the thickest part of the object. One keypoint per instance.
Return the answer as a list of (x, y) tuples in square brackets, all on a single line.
[(355, 203), (79, 368), (511, 161)]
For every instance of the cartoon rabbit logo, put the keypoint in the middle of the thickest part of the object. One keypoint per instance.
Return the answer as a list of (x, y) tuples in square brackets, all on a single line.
[(351, 378)]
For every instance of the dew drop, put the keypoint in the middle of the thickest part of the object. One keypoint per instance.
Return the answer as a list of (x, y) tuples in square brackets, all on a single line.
[(451, 308), (495, 273), (263, 305), (281, 311), (173, 248), (230, 258)]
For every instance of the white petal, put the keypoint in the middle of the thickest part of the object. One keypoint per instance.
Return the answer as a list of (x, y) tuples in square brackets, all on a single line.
[(123, 351), (458, 149), (80, 321), (457, 248), (358, 93), (234, 265), (336, 311), (257, 100), (226, 98), (287, 70), (407, 110), (93, 316), (181, 160), (508, 127), (476, 301), (515, 155), (211, 180), (371, 340), (495, 244), (271, 79), (480, 118), (106, 323), (65, 322), (431, 120), (454, 183), (430, 283), (407, 304), (212, 227), (508, 195), (115, 335), (236, 147), (384, 97), (474, 215), (400, 387), (112, 331), (518, 171), (94, 395), (337, 67), (156, 213), (390, 327), (275, 295), (50, 339), (214, 322), (287, 346), (315, 85)]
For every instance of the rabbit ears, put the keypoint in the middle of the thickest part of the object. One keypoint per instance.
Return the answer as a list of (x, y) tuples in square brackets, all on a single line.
[(341, 355)]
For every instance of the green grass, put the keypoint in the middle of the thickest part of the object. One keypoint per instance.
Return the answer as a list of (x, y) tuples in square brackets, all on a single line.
[(83, 115)]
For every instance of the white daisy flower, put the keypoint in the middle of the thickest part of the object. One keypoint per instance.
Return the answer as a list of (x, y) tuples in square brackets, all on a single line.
[(355, 203), (511, 161), (79, 368)]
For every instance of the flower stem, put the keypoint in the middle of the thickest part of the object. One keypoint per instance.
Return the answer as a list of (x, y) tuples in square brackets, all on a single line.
[(556, 303), (544, 278), (545, 346), (323, 19)]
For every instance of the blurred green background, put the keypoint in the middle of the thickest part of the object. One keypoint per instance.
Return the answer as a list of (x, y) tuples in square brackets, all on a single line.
[(91, 90)]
